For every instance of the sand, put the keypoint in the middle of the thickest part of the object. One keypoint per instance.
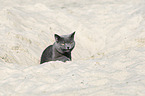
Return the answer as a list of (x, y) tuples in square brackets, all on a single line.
[(108, 59)]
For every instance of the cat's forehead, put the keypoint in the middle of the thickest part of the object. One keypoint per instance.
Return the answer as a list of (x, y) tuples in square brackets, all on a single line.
[(66, 38)]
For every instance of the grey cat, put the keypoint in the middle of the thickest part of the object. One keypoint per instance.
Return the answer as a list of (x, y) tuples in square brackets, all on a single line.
[(60, 50)]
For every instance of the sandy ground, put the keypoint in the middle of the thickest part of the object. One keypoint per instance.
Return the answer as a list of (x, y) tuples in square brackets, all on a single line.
[(108, 60)]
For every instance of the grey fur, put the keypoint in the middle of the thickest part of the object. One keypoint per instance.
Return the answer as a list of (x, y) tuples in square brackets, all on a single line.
[(60, 50)]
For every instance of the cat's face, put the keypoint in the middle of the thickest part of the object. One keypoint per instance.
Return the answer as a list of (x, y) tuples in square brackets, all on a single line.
[(64, 43)]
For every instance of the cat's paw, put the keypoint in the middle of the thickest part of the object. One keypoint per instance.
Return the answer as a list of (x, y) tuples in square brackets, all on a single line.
[(66, 59)]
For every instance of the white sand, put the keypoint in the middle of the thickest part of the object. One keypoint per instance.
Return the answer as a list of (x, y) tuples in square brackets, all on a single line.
[(108, 60)]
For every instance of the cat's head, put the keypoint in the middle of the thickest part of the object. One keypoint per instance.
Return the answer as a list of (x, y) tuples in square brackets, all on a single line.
[(64, 43)]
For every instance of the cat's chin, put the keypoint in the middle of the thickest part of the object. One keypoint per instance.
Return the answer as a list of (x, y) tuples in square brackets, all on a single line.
[(66, 50)]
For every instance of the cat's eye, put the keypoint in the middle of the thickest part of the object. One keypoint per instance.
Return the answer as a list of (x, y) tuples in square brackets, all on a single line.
[(62, 44), (71, 42)]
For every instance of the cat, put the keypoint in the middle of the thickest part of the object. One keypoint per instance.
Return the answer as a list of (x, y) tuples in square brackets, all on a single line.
[(60, 50)]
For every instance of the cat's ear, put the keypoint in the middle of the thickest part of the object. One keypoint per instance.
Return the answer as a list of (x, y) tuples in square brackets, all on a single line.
[(72, 35), (57, 37)]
